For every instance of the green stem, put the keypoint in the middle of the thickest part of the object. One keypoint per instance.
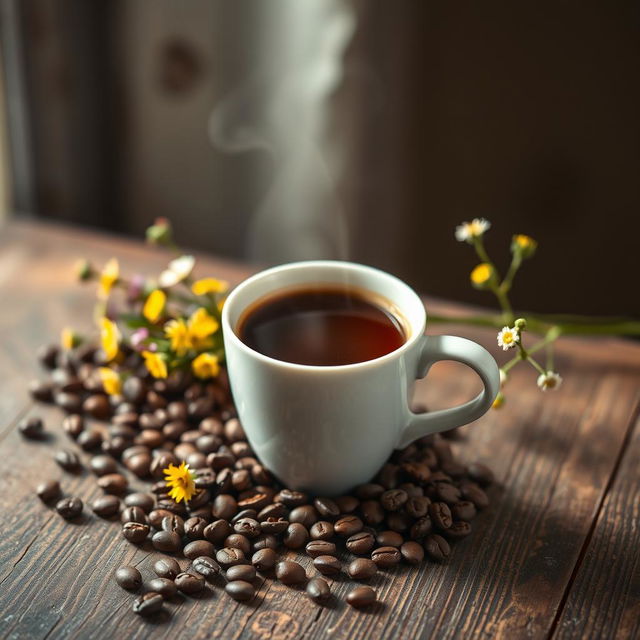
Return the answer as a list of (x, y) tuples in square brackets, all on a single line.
[(516, 261), (535, 365)]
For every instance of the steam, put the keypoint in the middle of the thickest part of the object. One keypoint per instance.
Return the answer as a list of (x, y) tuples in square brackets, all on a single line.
[(284, 109)]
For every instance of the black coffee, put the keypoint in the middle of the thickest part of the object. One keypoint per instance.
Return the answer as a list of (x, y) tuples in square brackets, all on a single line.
[(325, 326)]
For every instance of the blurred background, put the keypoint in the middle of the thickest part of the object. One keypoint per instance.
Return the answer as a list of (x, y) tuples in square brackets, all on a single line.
[(355, 129)]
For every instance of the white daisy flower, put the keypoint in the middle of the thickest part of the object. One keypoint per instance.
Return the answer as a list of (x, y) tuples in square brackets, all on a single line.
[(467, 231), (549, 380), (508, 338), (178, 270)]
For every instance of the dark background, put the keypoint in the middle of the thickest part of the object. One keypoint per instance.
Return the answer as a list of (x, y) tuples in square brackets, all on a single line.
[(524, 113)]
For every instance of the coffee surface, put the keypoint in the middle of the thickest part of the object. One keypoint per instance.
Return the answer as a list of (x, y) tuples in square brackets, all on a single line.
[(321, 327)]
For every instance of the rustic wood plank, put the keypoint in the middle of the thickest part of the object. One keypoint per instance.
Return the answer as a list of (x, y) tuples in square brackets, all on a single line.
[(553, 459), (604, 600)]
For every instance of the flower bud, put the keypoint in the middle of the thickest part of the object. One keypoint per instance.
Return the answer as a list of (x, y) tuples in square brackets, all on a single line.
[(84, 270), (523, 246), (520, 324), (482, 276), (160, 232)]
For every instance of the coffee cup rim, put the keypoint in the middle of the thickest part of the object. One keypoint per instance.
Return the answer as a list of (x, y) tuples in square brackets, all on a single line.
[(417, 329)]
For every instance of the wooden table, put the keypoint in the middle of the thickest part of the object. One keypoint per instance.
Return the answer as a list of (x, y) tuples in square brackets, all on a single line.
[(556, 554)]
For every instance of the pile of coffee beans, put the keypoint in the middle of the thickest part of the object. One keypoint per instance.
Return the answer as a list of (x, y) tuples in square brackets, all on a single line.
[(241, 521)]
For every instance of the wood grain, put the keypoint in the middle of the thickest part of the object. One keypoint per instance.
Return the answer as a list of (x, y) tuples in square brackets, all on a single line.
[(554, 459)]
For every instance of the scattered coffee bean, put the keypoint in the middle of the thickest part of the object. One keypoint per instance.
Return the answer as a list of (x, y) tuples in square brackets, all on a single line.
[(360, 543), (440, 515), (49, 491), (206, 566), (389, 539), (464, 510), (102, 465), (73, 425), (296, 536), (264, 560), (198, 548), (475, 494), (128, 578), (326, 507), (317, 548), (228, 556), (318, 590), (240, 590), (136, 532), (458, 530), (290, 572), (148, 604), (97, 406), (31, 428), (114, 483), (167, 568), (437, 547), (386, 557), (362, 569), (165, 587), (393, 499), (348, 526), (322, 530), (194, 528), (133, 514), (69, 508), (361, 597), (89, 439), (480, 473), (327, 565), (167, 541), (106, 506), (238, 541), (143, 500), (68, 460), (217, 531), (412, 552), (189, 583), (244, 572)]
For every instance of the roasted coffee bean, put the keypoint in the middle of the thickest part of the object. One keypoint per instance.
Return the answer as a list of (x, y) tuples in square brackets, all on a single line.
[(360, 543), (189, 582), (69, 508), (49, 491), (229, 556), (32, 428), (244, 572), (165, 587), (296, 536), (198, 548), (69, 402), (167, 568), (361, 597), (224, 506), (458, 530), (264, 559), (156, 516), (134, 390), (318, 590), (48, 355), (464, 510), (475, 494), (97, 406), (253, 499), (317, 548), (135, 532), (205, 478), (306, 515), (421, 528), (274, 525), (437, 547), (445, 492), (480, 473), (291, 498), (290, 572), (89, 439), (326, 507), (240, 590), (68, 460), (194, 528), (412, 552), (128, 578), (389, 539), (238, 541), (114, 483), (106, 506), (389, 476), (327, 565), (452, 468), (348, 525), (362, 569), (167, 541), (417, 507), (265, 541), (217, 531), (372, 512), (322, 530), (133, 514), (150, 438), (247, 527), (102, 465), (42, 391), (398, 521), (173, 523), (206, 566), (416, 471), (148, 604), (233, 430), (143, 500), (393, 499), (139, 464), (386, 557), (73, 425), (440, 515), (275, 511), (347, 504), (160, 462), (369, 491)]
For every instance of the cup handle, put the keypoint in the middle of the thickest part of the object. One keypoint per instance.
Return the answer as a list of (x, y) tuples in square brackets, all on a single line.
[(435, 348)]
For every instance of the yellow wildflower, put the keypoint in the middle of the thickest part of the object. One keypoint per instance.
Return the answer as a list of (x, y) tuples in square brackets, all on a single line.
[(206, 366), (523, 245), (181, 481), (178, 333), (154, 305), (155, 363), (108, 278), (209, 285), (202, 324), (109, 337), (481, 275), (110, 381), (69, 339)]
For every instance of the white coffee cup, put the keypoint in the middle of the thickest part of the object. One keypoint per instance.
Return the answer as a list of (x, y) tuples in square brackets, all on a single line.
[(325, 429)]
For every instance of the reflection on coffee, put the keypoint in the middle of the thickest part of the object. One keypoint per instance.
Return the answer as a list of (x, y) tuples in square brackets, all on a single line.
[(323, 325)]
